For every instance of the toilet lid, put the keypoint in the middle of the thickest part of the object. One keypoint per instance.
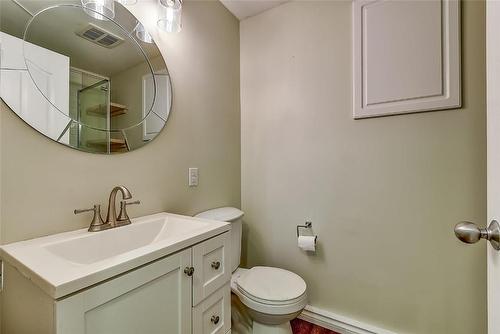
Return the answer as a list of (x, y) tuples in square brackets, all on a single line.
[(271, 284)]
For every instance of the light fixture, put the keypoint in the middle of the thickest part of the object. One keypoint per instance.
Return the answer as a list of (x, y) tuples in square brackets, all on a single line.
[(127, 2), (99, 9), (142, 34), (169, 15)]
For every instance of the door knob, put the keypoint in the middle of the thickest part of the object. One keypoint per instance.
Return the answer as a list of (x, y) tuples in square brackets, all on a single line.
[(469, 233)]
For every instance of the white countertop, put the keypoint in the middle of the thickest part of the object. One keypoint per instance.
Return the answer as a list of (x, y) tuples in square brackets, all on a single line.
[(64, 263)]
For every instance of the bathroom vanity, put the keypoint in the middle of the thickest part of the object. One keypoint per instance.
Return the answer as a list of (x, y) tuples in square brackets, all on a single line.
[(163, 273)]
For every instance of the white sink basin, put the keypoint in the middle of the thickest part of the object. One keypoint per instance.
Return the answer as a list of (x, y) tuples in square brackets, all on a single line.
[(98, 246), (64, 263)]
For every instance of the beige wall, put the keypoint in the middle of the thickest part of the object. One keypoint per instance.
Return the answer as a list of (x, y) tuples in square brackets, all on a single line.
[(383, 194), (42, 182)]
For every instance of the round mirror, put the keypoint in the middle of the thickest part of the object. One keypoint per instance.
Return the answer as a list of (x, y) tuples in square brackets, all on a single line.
[(82, 78)]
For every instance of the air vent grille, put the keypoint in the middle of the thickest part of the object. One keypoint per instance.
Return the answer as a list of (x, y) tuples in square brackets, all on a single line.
[(99, 36), (108, 40), (93, 33)]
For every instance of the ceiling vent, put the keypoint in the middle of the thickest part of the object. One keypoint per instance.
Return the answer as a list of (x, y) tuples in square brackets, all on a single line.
[(99, 36)]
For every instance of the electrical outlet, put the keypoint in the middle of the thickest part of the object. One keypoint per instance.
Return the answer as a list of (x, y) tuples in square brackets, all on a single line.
[(193, 177)]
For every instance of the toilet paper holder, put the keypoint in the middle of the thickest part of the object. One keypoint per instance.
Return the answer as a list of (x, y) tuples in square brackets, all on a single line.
[(307, 225)]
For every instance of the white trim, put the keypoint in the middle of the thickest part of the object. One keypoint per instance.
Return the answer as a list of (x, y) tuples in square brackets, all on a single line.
[(338, 323)]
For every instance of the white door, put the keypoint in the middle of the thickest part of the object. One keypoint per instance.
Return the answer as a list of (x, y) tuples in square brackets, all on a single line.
[(493, 135), (469, 232), (155, 299), (35, 103)]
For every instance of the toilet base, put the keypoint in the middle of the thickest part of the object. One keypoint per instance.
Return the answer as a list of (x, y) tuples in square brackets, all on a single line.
[(242, 323), (259, 328)]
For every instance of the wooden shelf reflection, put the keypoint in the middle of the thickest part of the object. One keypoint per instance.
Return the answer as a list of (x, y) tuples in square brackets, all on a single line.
[(102, 110)]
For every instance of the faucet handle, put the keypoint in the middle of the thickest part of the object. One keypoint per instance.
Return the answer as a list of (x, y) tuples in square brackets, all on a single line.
[(78, 211), (123, 216), (97, 223)]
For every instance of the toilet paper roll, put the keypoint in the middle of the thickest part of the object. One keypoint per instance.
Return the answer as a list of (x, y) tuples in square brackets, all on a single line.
[(307, 242)]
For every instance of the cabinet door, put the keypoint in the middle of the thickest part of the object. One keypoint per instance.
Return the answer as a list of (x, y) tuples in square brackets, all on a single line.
[(211, 266), (213, 315), (397, 40), (154, 299)]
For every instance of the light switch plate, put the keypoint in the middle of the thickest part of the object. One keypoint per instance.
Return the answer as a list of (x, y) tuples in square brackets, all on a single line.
[(193, 177)]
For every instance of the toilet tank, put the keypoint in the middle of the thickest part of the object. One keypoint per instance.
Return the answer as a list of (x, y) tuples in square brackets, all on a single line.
[(233, 216)]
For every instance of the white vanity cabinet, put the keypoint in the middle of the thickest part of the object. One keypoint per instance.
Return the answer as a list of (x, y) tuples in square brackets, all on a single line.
[(153, 299), (161, 297), (213, 315), (211, 286)]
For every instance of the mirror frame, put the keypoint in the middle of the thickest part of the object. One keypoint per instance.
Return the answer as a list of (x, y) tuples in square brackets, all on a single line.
[(81, 125)]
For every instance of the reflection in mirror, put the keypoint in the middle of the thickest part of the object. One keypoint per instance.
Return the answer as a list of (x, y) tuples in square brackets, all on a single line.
[(99, 86)]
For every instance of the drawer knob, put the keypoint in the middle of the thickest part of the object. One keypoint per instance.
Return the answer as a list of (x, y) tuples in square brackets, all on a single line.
[(215, 319), (189, 271), (216, 265)]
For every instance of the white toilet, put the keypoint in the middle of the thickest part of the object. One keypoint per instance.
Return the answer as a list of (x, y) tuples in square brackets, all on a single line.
[(270, 297)]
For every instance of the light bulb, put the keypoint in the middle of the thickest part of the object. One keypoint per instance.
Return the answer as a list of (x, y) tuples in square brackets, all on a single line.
[(170, 15), (99, 9), (127, 2), (142, 34)]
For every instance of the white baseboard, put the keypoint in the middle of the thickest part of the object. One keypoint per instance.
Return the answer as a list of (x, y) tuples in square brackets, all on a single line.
[(338, 323)]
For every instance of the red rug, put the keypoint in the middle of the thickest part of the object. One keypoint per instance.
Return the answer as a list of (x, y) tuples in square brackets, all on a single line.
[(304, 327)]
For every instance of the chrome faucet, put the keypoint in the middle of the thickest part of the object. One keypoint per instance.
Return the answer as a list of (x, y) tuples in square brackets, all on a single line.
[(111, 216)]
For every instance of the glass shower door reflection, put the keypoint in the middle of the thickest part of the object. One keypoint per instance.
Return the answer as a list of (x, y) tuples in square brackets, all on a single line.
[(94, 111)]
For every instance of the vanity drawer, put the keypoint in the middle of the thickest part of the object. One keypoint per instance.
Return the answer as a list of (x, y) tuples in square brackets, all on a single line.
[(213, 315), (212, 268)]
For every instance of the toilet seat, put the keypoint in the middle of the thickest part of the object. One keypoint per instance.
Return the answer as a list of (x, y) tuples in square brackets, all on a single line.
[(270, 290)]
